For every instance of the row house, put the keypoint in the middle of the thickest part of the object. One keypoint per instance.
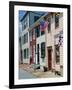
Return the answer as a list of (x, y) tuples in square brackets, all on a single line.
[(54, 42), (43, 45), (28, 19), (46, 46), (37, 37)]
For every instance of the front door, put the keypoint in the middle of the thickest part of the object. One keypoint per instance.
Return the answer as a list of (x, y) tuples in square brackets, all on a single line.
[(49, 58)]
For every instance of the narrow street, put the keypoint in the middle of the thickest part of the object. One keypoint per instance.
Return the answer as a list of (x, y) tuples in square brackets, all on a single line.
[(25, 75)]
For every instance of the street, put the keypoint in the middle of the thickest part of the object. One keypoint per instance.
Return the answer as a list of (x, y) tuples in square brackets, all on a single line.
[(26, 72), (25, 75)]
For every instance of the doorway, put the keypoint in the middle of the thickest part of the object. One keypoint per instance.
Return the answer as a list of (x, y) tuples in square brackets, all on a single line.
[(49, 58)]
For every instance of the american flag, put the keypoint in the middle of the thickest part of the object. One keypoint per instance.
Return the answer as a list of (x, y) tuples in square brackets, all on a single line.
[(43, 25)]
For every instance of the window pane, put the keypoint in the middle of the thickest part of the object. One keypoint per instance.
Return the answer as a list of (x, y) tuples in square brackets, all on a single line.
[(24, 53), (27, 54), (38, 31), (25, 38), (43, 50), (57, 52), (30, 35), (25, 23), (49, 24), (56, 20)]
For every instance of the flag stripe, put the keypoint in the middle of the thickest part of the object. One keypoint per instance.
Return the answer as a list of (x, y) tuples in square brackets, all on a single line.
[(43, 25)]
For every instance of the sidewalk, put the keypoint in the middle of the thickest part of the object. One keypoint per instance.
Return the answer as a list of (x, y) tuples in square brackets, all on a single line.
[(38, 73), (26, 67), (47, 74)]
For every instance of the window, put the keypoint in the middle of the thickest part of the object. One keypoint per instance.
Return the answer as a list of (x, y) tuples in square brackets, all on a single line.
[(26, 53), (56, 20), (22, 39), (43, 50), (25, 23), (49, 24), (25, 38), (36, 18), (30, 35), (57, 53), (37, 31)]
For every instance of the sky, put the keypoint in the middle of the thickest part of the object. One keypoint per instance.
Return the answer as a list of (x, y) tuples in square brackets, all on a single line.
[(21, 14)]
